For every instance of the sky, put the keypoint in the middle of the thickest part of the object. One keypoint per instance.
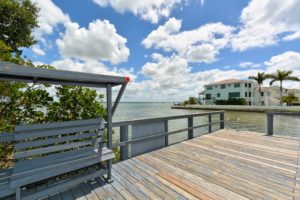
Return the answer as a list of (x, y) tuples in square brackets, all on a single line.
[(169, 48)]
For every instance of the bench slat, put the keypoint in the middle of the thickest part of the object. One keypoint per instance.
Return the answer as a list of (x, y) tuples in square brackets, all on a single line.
[(54, 131), (32, 127), (51, 149), (26, 165), (42, 142), (65, 185), (61, 168)]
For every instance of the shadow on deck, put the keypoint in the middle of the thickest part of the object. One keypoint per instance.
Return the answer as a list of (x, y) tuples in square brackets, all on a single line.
[(223, 165)]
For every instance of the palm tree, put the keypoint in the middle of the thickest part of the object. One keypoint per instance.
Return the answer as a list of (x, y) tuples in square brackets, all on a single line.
[(282, 76), (260, 78)]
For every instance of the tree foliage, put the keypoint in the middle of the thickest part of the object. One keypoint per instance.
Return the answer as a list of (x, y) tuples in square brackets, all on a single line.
[(232, 101), (190, 101), (17, 20), (260, 78), (290, 99), (281, 76)]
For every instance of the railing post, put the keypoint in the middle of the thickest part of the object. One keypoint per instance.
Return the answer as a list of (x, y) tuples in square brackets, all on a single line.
[(167, 136), (222, 120), (270, 119), (123, 138), (190, 125), (209, 126), (109, 128)]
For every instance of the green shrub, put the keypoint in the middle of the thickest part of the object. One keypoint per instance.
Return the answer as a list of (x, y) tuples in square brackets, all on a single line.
[(232, 101)]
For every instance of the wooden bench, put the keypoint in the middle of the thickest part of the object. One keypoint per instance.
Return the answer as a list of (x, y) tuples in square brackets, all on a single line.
[(67, 153)]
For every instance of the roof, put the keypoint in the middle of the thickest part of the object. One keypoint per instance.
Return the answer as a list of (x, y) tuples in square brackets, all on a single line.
[(19, 73), (227, 81)]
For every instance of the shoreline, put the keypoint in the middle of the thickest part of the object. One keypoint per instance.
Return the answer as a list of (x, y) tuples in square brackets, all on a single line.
[(238, 108)]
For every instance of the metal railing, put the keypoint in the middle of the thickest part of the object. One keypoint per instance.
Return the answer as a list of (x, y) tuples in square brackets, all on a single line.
[(162, 123), (270, 119)]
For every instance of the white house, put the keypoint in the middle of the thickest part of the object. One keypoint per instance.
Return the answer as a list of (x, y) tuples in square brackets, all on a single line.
[(234, 88)]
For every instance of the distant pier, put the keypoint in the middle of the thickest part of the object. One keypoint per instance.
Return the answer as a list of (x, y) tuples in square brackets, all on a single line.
[(240, 108)]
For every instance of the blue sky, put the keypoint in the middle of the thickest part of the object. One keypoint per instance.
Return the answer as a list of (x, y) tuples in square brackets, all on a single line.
[(170, 48)]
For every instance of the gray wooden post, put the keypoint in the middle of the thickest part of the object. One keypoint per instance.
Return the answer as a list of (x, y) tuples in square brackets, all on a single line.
[(270, 119), (209, 126), (167, 136), (222, 120), (123, 138), (18, 193), (109, 127), (190, 124)]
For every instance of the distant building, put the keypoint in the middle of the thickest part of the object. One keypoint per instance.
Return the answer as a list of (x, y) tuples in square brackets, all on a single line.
[(246, 89)]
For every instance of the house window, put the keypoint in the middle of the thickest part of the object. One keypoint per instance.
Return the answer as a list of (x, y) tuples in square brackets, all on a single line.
[(249, 103), (262, 94), (237, 85), (234, 94), (249, 85), (209, 87), (246, 85), (246, 94), (223, 86), (208, 96), (216, 86), (218, 94), (229, 85), (249, 94)]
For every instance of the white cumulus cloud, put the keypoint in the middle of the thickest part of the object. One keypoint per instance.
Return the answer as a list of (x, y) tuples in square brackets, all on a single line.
[(267, 22), (50, 16), (198, 45), (100, 41), (150, 10), (289, 60)]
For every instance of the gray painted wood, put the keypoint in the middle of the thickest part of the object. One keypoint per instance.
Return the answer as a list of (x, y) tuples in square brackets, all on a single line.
[(190, 125), (54, 159), (46, 172), (160, 119), (65, 185), (166, 131), (124, 137), (54, 132), (51, 149), (73, 123), (13, 72), (209, 121), (7, 137), (38, 143), (143, 130), (270, 119)]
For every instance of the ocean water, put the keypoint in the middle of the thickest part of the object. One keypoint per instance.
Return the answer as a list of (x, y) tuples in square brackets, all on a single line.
[(250, 121)]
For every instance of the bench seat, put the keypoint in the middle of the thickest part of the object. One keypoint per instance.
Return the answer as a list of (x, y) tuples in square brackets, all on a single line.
[(38, 171)]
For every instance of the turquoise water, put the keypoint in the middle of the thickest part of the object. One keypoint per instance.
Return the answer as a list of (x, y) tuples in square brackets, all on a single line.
[(236, 120)]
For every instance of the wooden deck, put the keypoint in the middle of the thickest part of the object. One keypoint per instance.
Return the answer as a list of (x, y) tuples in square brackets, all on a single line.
[(222, 165)]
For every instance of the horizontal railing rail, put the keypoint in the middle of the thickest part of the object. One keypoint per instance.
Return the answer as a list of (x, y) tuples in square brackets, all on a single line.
[(270, 119), (158, 119), (159, 133)]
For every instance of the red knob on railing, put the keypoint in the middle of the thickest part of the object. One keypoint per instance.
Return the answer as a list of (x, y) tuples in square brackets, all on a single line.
[(127, 79)]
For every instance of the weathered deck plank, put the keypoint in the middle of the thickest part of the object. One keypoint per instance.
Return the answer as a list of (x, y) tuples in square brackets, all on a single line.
[(223, 165)]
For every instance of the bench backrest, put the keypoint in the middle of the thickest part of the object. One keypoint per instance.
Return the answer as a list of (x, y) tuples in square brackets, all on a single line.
[(38, 140)]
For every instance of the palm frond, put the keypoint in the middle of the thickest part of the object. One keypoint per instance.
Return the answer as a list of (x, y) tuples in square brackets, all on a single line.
[(292, 78), (274, 80)]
